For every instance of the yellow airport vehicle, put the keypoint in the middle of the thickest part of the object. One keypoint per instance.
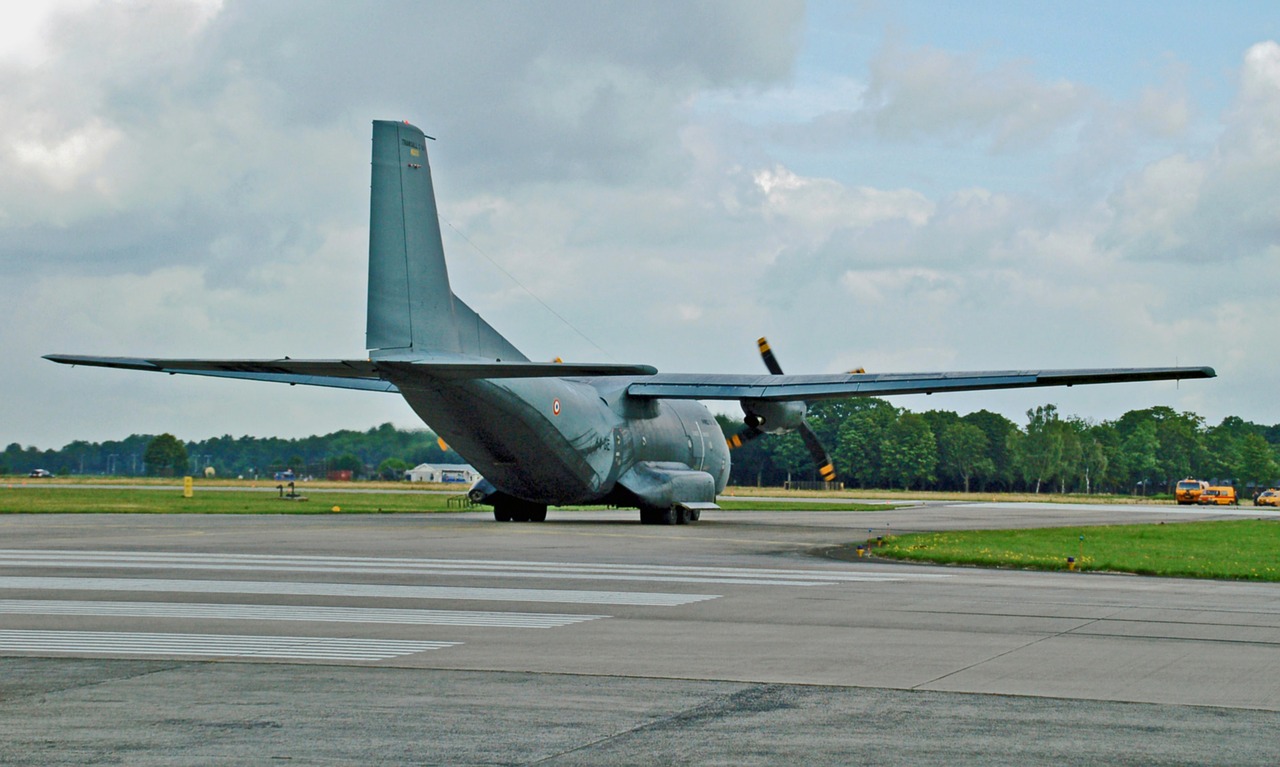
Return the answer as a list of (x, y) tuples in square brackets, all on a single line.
[(1189, 490), (1268, 498), (1219, 495)]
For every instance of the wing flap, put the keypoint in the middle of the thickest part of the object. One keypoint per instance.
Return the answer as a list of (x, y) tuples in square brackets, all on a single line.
[(818, 387)]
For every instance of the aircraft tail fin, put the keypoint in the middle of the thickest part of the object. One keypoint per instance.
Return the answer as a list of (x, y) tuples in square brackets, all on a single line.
[(412, 309)]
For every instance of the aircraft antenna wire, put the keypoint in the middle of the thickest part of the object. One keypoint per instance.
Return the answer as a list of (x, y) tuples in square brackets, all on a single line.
[(521, 285)]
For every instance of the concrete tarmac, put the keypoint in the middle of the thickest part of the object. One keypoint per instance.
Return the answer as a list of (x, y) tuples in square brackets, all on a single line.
[(590, 639)]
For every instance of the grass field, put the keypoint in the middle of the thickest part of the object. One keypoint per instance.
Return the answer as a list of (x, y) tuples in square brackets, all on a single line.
[(163, 498), (136, 500), (1243, 550)]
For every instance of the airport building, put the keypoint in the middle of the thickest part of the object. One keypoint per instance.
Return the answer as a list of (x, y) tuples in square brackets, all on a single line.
[(442, 472)]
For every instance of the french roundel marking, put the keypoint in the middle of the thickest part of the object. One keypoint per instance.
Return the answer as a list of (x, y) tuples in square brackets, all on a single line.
[(555, 407)]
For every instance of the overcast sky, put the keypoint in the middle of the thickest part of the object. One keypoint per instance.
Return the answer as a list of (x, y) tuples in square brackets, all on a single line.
[(904, 186)]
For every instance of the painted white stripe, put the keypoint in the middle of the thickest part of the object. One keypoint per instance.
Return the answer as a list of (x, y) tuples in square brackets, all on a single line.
[(353, 590), (213, 645), (292, 613), (467, 567)]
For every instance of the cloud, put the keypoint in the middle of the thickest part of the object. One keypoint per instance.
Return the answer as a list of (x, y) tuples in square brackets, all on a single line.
[(1223, 205)]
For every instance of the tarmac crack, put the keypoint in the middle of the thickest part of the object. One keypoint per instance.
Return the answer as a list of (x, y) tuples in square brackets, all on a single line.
[(755, 698), (8, 696), (1010, 651)]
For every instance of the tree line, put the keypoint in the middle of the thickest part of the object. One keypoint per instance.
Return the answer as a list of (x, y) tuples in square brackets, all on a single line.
[(383, 451), (873, 444)]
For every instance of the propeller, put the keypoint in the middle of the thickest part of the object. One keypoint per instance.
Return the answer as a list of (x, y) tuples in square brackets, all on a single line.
[(779, 418)]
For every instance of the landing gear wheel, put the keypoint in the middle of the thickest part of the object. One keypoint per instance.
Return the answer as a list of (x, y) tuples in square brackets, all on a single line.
[(515, 510), (655, 517)]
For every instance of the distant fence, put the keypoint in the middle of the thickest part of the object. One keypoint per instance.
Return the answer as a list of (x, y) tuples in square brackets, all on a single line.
[(813, 485)]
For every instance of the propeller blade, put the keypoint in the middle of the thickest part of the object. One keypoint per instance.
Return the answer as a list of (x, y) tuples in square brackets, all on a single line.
[(820, 458), (819, 453), (770, 361), (743, 437)]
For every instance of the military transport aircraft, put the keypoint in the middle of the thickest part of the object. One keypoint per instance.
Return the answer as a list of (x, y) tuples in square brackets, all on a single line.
[(560, 433)]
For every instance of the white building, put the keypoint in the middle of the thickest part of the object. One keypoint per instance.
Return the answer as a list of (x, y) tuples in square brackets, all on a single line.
[(460, 473)]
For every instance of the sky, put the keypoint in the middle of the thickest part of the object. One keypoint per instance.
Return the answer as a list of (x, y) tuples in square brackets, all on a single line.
[(902, 186)]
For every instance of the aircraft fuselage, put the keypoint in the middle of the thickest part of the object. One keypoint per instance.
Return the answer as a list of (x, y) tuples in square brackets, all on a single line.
[(556, 441)]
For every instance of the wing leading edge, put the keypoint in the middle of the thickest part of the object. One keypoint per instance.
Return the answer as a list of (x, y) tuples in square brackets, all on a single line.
[(817, 387)]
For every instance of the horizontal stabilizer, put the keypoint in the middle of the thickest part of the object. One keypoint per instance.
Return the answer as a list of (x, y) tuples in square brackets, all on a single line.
[(818, 387)]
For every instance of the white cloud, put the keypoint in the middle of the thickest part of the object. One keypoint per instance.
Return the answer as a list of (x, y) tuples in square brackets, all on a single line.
[(1224, 205)]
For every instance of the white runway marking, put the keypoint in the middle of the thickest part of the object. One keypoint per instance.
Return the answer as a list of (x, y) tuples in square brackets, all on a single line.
[(292, 613), (212, 645), (353, 590), (445, 567)]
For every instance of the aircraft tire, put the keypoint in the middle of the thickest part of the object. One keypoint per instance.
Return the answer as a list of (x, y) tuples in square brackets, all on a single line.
[(683, 516), (669, 516), (536, 514), (501, 514)]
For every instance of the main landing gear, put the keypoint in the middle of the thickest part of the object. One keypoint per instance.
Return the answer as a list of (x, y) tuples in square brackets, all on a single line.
[(513, 510), (676, 515)]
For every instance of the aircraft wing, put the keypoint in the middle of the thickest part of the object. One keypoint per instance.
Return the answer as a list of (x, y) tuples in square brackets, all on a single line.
[(818, 387), (342, 374), (368, 375)]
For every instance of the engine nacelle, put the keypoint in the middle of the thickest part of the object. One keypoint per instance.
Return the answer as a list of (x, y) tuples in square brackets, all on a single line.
[(773, 417)]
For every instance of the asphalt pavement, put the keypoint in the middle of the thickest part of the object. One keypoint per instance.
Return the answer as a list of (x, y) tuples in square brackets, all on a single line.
[(591, 639)]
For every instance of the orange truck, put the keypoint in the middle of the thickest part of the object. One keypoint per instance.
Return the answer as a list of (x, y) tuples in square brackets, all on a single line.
[(1219, 495), (1189, 490)]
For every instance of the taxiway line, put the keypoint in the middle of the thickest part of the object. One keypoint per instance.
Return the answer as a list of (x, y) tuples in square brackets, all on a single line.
[(645, 598), (464, 567), (312, 613), (213, 645)]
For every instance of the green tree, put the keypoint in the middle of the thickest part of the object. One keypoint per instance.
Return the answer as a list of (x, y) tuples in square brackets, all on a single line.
[(166, 456), (348, 462), (789, 455), (392, 469), (1140, 453), (858, 451), (1039, 454), (910, 451), (962, 449), (1093, 453), (1257, 461), (997, 429)]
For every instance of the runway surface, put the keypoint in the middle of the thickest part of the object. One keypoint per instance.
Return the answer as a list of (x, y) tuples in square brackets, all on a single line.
[(590, 639)]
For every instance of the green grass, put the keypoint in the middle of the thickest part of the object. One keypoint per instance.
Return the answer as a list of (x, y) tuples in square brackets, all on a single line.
[(72, 500), (124, 499), (1243, 550)]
